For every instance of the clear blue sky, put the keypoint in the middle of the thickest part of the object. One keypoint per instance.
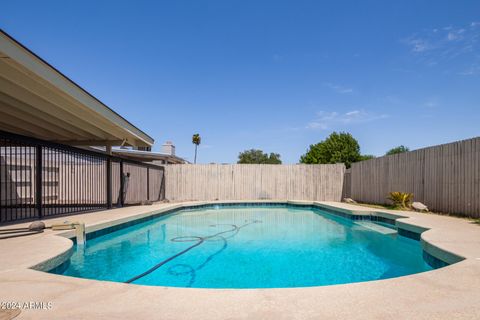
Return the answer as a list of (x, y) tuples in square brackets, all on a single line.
[(275, 75)]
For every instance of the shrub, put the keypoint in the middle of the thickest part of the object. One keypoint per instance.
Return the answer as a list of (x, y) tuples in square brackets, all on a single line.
[(337, 148), (401, 199), (396, 150), (258, 157)]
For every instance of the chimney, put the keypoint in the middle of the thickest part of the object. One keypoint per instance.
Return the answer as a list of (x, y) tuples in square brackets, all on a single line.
[(168, 148)]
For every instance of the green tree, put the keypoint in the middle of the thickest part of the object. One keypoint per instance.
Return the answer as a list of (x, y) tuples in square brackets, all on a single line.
[(196, 140), (258, 157), (366, 157), (337, 148), (399, 149)]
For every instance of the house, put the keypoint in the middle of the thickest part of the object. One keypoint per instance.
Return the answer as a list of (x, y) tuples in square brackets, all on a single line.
[(48, 126)]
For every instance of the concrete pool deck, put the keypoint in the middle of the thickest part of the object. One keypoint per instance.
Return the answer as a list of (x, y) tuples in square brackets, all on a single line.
[(452, 292)]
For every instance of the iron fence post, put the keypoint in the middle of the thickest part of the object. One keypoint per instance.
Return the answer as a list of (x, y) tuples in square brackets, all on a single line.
[(109, 183), (39, 180)]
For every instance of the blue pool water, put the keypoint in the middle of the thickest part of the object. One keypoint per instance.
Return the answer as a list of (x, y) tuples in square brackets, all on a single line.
[(246, 247)]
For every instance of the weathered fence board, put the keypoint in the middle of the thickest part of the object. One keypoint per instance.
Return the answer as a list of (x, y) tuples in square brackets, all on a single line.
[(251, 181), (446, 177)]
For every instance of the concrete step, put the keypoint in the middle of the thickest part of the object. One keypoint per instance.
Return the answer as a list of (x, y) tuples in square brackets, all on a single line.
[(377, 227)]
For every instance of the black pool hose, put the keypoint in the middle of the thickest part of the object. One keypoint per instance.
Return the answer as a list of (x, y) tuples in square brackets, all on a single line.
[(199, 240)]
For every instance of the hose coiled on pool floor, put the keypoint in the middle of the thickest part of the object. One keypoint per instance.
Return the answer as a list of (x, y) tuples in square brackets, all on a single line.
[(235, 229)]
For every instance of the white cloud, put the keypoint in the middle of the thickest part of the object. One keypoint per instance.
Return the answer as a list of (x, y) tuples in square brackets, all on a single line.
[(455, 34), (417, 44), (328, 120), (436, 46), (451, 36), (339, 89), (352, 113), (472, 70)]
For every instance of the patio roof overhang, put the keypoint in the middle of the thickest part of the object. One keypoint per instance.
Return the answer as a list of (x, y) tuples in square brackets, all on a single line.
[(148, 156), (37, 100)]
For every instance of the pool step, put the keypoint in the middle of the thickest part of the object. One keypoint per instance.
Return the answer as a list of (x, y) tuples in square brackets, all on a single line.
[(376, 227)]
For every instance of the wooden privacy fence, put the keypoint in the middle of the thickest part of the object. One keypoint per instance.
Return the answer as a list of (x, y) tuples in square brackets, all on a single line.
[(446, 177), (347, 184), (254, 181)]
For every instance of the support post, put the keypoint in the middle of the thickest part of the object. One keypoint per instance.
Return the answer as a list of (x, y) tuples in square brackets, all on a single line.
[(39, 180)]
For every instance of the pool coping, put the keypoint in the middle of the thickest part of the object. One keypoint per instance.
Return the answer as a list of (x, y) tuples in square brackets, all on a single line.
[(451, 246)]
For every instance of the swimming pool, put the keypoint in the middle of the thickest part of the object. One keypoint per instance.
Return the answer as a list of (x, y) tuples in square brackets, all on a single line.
[(248, 246)]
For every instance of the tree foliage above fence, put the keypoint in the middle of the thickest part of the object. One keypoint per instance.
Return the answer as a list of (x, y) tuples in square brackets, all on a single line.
[(254, 156), (337, 148), (396, 150)]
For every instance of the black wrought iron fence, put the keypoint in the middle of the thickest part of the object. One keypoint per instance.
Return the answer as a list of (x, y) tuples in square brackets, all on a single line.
[(41, 179)]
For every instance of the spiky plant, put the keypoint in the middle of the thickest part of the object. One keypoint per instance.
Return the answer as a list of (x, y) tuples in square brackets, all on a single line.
[(401, 199)]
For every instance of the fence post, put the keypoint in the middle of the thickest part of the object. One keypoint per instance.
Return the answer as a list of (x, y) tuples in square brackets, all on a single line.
[(121, 185), (109, 183), (39, 180), (148, 184)]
